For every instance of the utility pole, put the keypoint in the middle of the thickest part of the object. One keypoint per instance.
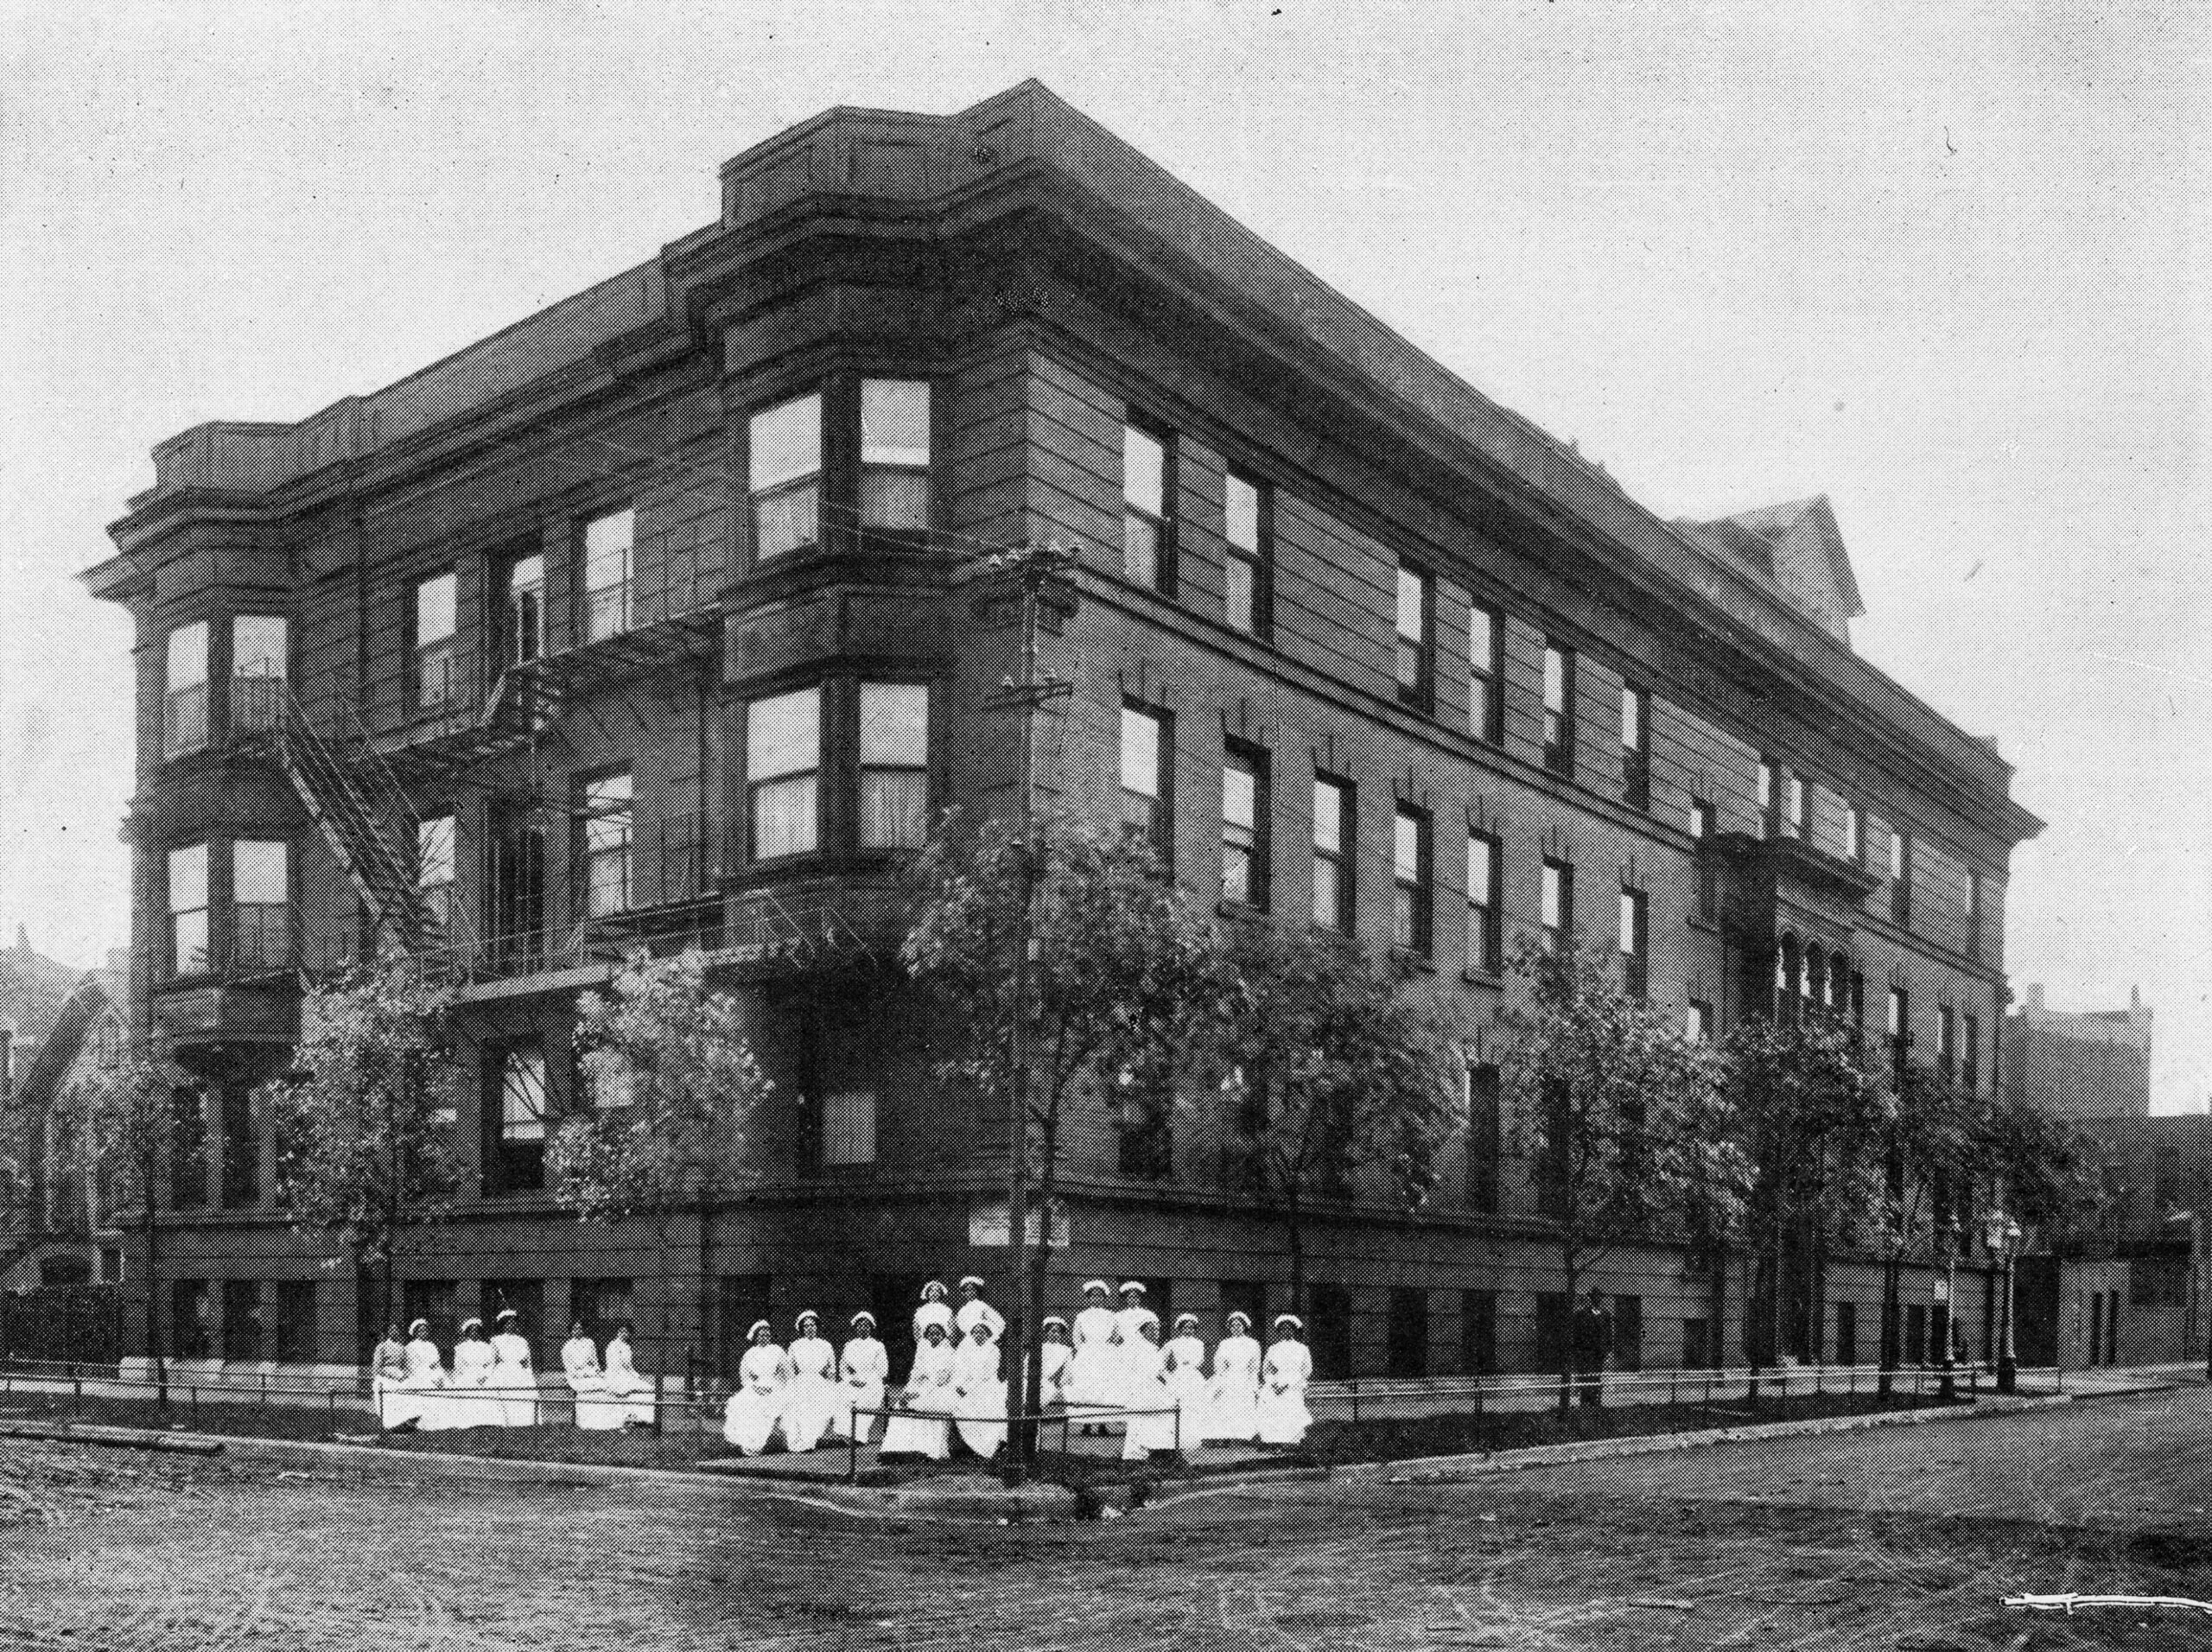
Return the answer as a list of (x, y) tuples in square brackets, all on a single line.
[(1031, 569)]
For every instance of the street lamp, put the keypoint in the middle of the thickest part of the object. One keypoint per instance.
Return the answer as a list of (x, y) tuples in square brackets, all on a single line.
[(1950, 1229), (2002, 1234)]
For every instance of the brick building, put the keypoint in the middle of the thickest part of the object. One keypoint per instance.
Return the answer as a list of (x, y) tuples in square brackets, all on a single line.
[(651, 618), (2087, 1065)]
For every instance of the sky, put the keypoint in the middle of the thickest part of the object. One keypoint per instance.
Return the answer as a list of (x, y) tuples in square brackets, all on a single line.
[(1950, 266)]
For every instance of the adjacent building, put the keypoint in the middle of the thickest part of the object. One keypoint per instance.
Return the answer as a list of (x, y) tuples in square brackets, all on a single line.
[(652, 619), (2091, 1065)]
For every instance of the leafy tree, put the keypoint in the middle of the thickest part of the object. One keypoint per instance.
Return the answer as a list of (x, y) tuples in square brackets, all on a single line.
[(366, 1154), (2044, 1172), (1628, 1122), (1331, 1065), (1811, 1117), (1935, 1152), (1125, 981), (669, 1064), (125, 1118)]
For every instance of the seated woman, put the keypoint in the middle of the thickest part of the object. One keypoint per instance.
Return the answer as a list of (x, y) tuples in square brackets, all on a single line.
[(1187, 1377), (928, 1390), (1288, 1367), (580, 1365), (425, 1383), (935, 1310), (1052, 1387), (1144, 1375), (863, 1369), (1232, 1413), (810, 1385), (469, 1396), (751, 1414), (388, 1383), (978, 1392), (633, 1392), (514, 1378)]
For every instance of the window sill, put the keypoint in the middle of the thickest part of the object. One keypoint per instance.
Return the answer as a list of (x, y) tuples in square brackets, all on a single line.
[(1244, 912), (1406, 958), (1710, 926), (1481, 978)]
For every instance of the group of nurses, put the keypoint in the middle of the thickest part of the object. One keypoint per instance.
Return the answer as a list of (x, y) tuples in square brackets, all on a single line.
[(493, 1383)]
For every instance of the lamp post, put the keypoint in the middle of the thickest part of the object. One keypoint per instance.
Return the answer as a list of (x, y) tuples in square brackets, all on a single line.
[(1950, 1229), (2002, 1234)]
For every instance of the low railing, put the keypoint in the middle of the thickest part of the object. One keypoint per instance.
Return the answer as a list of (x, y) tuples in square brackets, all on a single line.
[(1066, 1416)]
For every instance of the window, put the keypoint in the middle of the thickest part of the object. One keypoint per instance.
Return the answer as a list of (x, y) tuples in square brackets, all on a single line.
[(1408, 1349), (515, 1163), (1484, 1127), (436, 662), (1148, 523), (1900, 878), (261, 910), (1973, 914), (609, 548), (1416, 649), (1636, 747), (784, 477), (187, 894), (1846, 1333), (849, 1128), (1628, 1331), (184, 704), (1854, 833), (1634, 937), (1244, 826), (1334, 835), (434, 864), (1556, 906), (783, 763), (1485, 865), (1899, 1017), (1410, 928), (1147, 770), (1248, 508), (1707, 871), (1698, 1024), (241, 1162), (241, 1319), (895, 765), (1146, 1149), (1485, 706), (1559, 711), (299, 1333), (1478, 1334), (1970, 1054), (259, 657), (1770, 791), (894, 454), (1793, 817), (187, 1149), (1947, 1053), (609, 827), (522, 613)]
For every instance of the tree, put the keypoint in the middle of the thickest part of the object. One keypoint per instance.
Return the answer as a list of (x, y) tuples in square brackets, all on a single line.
[(125, 1117), (2043, 1172), (1810, 1116), (669, 1066), (1626, 1120), (1125, 981), (1935, 1152), (1330, 1065), (365, 1119)]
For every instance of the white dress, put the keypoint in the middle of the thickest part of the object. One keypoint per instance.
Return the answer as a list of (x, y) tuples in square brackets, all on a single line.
[(469, 1397), (1093, 1367), (928, 1388), (388, 1384), (625, 1384), (1233, 1398), (965, 1315), (1186, 1384), (580, 1365), (750, 1416), (933, 1313), (425, 1385), (1051, 1388), (1283, 1417), (1144, 1372), (516, 1379), (810, 1393), (979, 1397), (1135, 1360), (862, 1370)]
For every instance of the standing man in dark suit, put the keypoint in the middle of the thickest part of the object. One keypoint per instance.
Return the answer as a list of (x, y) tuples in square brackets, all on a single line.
[(1593, 1344)]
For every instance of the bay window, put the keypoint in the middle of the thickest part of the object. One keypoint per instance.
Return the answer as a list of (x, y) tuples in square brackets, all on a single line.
[(894, 753), (259, 655), (184, 700), (783, 771), (261, 908), (785, 476), (894, 454), (188, 910)]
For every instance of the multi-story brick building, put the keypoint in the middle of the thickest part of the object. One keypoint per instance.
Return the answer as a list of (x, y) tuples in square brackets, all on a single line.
[(652, 617), (2088, 1065)]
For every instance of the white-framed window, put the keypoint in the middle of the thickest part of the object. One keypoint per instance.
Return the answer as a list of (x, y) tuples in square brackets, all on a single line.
[(1485, 864), (1148, 480), (1698, 1024), (1555, 906), (184, 700), (522, 1096), (1147, 770), (785, 476), (187, 909), (437, 663), (1244, 826), (522, 623), (782, 773), (1485, 704), (895, 765), (1334, 835), (610, 543), (895, 455), (1769, 794), (610, 828), (1416, 637), (1636, 747), (261, 903), (1559, 710), (260, 650), (1635, 942), (1854, 833), (1249, 514), (434, 869), (1793, 817), (1410, 914), (849, 1128)]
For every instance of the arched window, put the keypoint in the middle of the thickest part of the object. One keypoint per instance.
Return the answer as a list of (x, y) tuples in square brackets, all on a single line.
[(1839, 982), (1816, 976), (1788, 965)]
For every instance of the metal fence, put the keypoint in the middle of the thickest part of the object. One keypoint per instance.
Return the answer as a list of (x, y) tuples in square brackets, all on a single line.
[(80, 1323)]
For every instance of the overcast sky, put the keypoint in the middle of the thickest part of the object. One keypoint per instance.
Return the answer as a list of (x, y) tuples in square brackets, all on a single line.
[(1953, 270)]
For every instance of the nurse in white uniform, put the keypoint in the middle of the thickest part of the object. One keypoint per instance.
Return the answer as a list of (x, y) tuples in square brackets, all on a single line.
[(1233, 1398), (425, 1383), (934, 1310), (623, 1381), (1057, 1353), (1137, 1361), (1144, 1366), (979, 1393), (514, 1377), (473, 1361), (586, 1382), (1091, 1368), (928, 1389), (1186, 1375), (1283, 1374), (750, 1417), (863, 1369), (972, 1308), (388, 1383), (810, 1393)]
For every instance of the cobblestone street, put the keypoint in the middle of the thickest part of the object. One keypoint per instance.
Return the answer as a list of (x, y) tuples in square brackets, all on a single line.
[(1907, 1536)]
